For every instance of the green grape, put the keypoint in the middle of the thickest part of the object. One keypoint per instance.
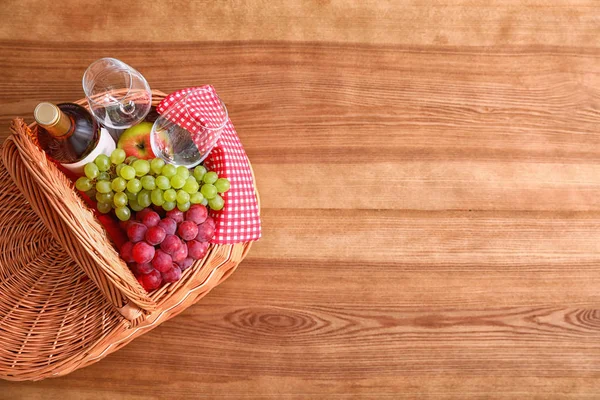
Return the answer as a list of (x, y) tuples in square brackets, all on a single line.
[(157, 197), (183, 197), (127, 172), (103, 176), (222, 185), (169, 205), (103, 186), (183, 206), (135, 206), (117, 156), (183, 172), (217, 203), (148, 182), (104, 208), (143, 198), (210, 177), (208, 191), (102, 162), (120, 199), (134, 185), (91, 170), (204, 201), (123, 213), (105, 197), (142, 167), (191, 186), (84, 184), (118, 184), (118, 169), (169, 170), (196, 198), (91, 193), (156, 165), (199, 172), (170, 195), (130, 196), (130, 160), (162, 182), (177, 182)]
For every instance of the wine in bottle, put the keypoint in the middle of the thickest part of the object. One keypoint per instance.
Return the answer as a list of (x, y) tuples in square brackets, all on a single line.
[(70, 135)]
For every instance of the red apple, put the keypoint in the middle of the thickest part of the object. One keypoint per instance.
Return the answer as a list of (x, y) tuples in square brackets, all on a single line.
[(136, 141)]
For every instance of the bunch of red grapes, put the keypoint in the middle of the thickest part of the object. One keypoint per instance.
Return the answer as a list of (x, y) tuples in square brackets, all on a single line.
[(160, 249)]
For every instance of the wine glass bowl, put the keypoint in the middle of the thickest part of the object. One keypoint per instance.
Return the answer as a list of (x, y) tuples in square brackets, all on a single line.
[(188, 129), (118, 95)]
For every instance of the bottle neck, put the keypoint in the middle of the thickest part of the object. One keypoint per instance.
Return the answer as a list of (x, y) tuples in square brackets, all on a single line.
[(53, 120)]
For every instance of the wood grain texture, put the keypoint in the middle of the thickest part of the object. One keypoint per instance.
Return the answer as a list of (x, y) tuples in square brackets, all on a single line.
[(430, 184), (464, 22)]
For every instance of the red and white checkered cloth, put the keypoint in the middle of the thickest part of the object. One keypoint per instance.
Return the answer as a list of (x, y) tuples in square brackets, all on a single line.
[(239, 220)]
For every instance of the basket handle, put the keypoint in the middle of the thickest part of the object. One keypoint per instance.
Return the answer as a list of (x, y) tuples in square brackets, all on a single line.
[(74, 226)]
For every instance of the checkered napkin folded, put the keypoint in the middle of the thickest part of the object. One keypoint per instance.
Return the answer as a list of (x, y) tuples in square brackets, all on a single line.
[(239, 220)]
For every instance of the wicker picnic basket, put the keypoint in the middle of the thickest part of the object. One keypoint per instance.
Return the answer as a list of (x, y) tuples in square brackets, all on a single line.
[(66, 298)]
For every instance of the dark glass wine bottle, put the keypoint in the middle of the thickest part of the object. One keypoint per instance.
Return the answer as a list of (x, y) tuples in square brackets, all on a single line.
[(67, 132)]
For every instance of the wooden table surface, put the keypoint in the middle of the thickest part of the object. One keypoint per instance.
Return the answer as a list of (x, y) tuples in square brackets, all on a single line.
[(430, 184)]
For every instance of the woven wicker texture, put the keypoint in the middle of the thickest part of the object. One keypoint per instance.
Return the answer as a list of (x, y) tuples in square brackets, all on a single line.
[(53, 319)]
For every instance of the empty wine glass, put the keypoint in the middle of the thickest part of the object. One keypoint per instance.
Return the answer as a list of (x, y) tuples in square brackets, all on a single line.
[(185, 133), (118, 95)]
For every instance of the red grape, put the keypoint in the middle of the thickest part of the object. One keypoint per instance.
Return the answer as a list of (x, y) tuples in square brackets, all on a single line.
[(171, 244), (140, 214), (144, 268), (133, 268), (206, 230), (185, 263), (155, 235), (172, 275), (181, 254), (126, 252), (187, 230), (162, 261), (136, 232), (176, 215), (159, 210), (142, 252), (125, 224), (151, 281), (197, 214), (169, 225), (197, 249), (151, 219)]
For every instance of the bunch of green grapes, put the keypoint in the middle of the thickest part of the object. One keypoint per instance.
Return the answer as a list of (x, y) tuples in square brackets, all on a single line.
[(126, 184)]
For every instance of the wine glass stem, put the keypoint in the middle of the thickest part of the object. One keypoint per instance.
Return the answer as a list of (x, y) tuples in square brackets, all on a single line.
[(128, 107)]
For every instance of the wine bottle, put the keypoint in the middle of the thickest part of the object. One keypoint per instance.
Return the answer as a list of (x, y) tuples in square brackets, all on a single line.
[(70, 135)]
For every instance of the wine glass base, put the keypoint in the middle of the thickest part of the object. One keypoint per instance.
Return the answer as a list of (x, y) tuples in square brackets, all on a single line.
[(176, 152)]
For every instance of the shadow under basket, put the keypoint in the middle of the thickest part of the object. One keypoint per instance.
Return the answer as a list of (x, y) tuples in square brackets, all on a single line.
[(66, 298)]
